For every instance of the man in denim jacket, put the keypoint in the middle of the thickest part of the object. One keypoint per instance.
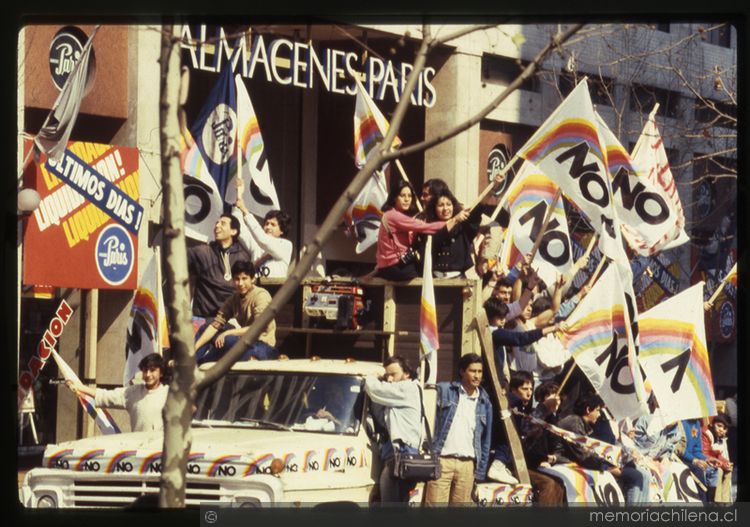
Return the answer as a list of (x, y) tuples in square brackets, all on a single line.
[(463, 426)]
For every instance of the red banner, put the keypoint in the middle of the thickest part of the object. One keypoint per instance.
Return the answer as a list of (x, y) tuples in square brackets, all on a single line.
[(71, 241)]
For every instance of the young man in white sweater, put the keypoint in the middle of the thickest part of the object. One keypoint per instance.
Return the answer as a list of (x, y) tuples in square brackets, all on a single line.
[(143, 401)]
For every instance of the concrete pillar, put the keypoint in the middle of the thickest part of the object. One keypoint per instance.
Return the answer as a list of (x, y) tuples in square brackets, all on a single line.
[(456, 161)]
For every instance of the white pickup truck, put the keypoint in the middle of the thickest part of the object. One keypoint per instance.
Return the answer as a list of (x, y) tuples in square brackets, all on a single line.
[(284, 432)]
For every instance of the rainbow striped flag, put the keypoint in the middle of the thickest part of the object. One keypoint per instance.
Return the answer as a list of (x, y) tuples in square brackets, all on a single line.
[(102, 418), (491, 494), (648, 216), (597, 339), (649, 154), (370, 127), (674, 356), (528, 199), (203, 203), (587, 486), (608, 452), (364, 215), (567, 148), (428, 327), (259, 192), (147, 326)]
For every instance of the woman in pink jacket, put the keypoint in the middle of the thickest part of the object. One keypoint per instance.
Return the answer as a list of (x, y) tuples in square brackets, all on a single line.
[(397, 231)]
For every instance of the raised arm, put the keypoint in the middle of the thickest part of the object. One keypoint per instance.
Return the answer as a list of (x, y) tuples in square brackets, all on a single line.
[(270, 244), (398, 221)]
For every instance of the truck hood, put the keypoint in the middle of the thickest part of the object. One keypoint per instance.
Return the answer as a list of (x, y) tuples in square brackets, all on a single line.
[(215, 452)]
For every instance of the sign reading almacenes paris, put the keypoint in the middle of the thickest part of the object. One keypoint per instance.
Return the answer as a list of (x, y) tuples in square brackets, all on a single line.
[(300, 64)]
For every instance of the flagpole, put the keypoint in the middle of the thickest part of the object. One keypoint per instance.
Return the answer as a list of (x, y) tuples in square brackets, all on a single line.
[(651, 116), (598, 270), (721, 286), (547, 219), (590, 248), (503, 171), (406, 178), (594, 276), (26, 162), (158, 336), (501, 201), (240, 155), (567, 376)]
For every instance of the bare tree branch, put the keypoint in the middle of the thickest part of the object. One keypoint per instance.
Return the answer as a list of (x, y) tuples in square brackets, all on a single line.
[(458, 34), (527, 72)]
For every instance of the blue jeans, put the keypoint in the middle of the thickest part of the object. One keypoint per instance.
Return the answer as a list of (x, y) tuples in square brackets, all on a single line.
[(635, 482), (210, 353), (502, 453), (708, 477)]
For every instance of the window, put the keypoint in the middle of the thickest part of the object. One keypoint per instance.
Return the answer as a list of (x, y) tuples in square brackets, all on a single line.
[(504, 70), (643, 98), (721, 36), (601, 89), (716, 113), (663, 27)]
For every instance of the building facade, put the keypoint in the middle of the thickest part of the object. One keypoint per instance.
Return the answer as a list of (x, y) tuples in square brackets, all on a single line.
[(300, 81)]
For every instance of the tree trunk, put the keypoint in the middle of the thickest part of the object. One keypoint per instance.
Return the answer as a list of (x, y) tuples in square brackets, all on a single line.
[(177, 411)]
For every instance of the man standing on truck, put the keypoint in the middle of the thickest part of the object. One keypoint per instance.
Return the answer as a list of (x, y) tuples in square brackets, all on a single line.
[(396, 395), (143, 402), (210, 267), (245, 305), (463, 429)]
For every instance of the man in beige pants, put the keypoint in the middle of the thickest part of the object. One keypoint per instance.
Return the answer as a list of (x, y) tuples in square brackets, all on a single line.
[(463, 426)]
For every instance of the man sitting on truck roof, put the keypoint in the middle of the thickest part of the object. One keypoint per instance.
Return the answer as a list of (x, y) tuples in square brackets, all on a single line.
[(245, 305), (143, 402)]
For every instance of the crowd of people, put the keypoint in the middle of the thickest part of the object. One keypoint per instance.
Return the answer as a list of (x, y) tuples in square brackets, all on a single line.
[(523, 313)]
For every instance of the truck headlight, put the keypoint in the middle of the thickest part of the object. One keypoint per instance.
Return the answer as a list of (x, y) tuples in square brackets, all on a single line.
[(46, 501), (246, 502)]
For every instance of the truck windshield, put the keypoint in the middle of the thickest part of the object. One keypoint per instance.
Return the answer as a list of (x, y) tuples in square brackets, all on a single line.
[(287, 401)]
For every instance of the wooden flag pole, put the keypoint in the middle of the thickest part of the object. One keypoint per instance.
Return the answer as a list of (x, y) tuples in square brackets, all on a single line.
[(481, 325), (598, 270), (590, 248), (567, 376), (651, 116), (718, 290), (501, 201), (547, 218), (406, 178), (503, 171), (592, 279)]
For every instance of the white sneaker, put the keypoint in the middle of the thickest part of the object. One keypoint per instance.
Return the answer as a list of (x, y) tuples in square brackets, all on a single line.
[(499, 472)]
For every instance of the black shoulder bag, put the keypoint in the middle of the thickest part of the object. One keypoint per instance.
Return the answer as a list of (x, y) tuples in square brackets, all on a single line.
[(423, 466)]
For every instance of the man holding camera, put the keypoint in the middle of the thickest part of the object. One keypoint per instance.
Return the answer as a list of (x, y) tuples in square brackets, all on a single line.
[(397, 401)]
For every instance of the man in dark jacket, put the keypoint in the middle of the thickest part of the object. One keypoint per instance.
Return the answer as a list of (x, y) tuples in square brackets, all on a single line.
[(463, 428), (585, 413), (537, 444), (210, 267)]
